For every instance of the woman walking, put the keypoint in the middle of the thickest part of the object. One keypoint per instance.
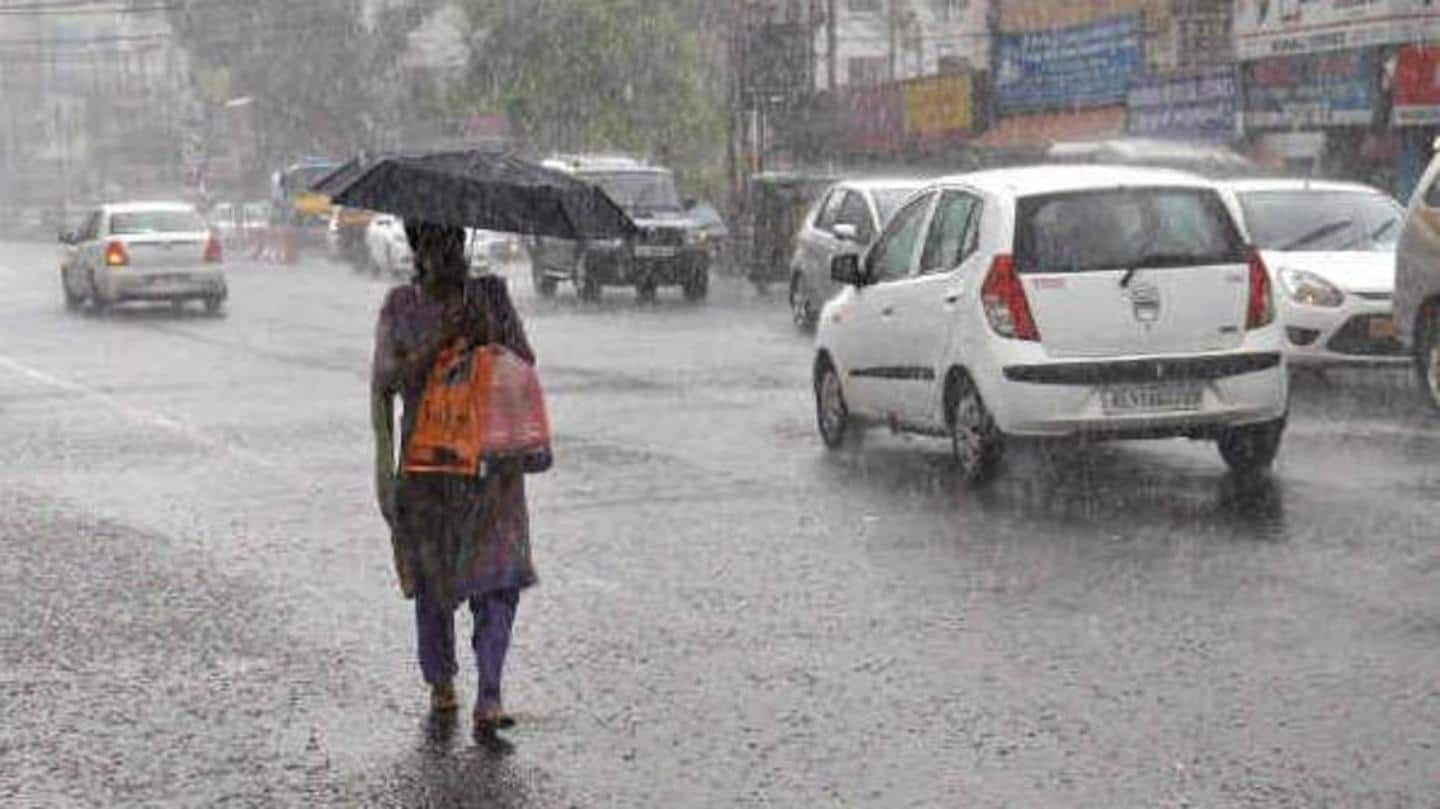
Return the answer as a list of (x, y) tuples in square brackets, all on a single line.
[(456, 538)]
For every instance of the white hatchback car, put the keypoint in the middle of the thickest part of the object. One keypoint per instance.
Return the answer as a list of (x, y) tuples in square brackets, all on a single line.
[(1056, 301), (144, 251), (1330, 248)]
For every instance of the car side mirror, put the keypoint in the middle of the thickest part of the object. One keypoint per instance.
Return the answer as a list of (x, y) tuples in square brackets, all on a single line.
[(845, 269), (845, 232)]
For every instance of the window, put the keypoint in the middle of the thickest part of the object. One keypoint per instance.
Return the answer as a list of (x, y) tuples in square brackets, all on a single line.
[(132, 223), (891, 258), (863, 71), (950, 10), (1432, 194), (863, 6), (1124, 229), (954, 230), (829, 210), (1322, 220), (854, 211)]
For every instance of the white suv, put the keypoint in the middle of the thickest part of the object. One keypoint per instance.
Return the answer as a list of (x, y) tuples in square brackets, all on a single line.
[(1055, 301)]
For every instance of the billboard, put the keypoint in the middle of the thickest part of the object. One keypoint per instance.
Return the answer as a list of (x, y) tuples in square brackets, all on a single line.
[(939, 106), (1279, 27), (874, 118), (1417, 86), (1323, 89), (1200, 106), (1084, 65)]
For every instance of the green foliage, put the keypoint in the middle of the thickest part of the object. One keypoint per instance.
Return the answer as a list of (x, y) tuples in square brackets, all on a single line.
[(638, 76)]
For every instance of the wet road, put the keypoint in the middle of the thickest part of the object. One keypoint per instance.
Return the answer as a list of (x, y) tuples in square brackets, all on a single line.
[(198, 607)]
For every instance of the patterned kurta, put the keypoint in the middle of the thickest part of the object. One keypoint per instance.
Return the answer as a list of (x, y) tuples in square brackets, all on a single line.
[(462, 535)]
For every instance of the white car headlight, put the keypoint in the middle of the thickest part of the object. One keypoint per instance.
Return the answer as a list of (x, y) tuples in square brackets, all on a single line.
[(1309, 289), (694, 237)]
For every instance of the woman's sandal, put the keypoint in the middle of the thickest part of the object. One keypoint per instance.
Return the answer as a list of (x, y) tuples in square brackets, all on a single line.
[(489, 720), (442, 698)]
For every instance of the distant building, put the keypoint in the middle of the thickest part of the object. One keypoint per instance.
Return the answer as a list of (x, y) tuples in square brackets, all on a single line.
[(877, 41)]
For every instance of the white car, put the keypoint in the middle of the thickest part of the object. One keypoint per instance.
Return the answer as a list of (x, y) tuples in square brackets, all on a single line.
[(144, 251), (1057, 301), (1330, 248), (846, 218), (387, 246)]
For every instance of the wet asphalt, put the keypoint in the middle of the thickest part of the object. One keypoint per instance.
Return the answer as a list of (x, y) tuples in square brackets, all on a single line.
[(197, 606)]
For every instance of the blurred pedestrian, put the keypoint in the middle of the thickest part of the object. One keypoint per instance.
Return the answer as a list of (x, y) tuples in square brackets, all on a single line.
[(456, 538)]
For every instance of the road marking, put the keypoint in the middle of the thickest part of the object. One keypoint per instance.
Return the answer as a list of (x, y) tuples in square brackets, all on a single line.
[(148, 418)]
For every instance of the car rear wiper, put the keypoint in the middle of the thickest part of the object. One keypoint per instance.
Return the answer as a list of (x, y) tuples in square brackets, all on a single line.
[(1154, 260), (1317, 234)]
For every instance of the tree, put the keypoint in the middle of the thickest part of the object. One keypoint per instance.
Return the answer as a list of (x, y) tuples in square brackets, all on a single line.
[(642, 76)]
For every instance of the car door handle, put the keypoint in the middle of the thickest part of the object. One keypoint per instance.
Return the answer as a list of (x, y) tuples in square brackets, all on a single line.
[(954, 295), (887, 311)]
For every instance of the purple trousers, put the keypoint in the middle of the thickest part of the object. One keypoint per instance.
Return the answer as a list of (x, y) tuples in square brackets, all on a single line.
[(494, 614)]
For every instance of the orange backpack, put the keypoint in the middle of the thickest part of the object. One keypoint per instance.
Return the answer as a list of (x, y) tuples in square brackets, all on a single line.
[(482, 403)]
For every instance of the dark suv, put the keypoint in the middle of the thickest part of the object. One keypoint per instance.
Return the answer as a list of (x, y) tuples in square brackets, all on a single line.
[(669, 250)]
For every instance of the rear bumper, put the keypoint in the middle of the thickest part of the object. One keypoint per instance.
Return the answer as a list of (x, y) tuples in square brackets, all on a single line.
[(179, 284), (1062, 399)]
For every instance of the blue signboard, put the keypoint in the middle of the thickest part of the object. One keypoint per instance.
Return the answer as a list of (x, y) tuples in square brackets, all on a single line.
[(1198, 106), (1321, 89), (1085, 65)]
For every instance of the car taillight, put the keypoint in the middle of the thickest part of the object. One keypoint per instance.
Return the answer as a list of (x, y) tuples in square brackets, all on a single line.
[(1006, 307), (213, 252), (116, 255), (1260, 308)]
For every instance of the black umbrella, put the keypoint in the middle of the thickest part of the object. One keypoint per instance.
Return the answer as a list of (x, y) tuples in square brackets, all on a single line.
[(485, 190)]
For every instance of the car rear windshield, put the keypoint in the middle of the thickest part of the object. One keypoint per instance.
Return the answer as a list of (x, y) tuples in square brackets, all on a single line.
[(1322, 220), (1123, 229), (138, 223)]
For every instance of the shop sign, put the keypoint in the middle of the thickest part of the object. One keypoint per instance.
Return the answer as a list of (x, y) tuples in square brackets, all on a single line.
[(1417, 86), (1330, 89), (939, 106), (1078, 66), (874, 117), (1275, 27), (1201, 105)]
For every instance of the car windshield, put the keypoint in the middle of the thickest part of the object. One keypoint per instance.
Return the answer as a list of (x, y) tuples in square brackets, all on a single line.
[(138, 223), (888, 200), (1122, 229), (639, 190), (1322, 220)]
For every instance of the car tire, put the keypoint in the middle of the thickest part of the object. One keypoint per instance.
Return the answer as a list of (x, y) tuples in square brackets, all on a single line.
[(587, 286), (214, 306), (1427, 355), (697, 286), (802, 310), (1251, 449), (832, 414), (98, 304), (73, 302), (544, 284), (976, 442), (646, 291)]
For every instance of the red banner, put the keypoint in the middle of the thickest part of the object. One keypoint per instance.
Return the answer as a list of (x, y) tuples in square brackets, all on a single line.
[(1417, 86)]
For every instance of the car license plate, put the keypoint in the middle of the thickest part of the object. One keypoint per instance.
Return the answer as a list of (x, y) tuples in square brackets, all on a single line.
[(1382, 328), (1160, 398), (651, 251)]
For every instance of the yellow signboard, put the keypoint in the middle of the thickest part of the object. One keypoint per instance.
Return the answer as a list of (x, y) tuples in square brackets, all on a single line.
[(939, 105)]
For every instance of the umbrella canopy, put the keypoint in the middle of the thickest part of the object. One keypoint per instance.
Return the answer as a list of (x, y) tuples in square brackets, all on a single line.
[(486, 190)]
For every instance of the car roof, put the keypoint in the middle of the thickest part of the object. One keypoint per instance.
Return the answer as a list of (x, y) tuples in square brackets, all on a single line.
[(1058, 179), (134, 207), (883, 184), (1296, 184)]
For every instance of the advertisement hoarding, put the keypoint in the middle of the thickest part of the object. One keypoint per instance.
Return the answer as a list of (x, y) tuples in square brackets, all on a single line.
[(1327, 89), (1077, 66), (938, 107), (1417, 86), (1265, 28), (1195, 106), (874, 118)]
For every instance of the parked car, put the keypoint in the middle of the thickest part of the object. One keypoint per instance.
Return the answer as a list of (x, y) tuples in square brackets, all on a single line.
[(844, 220), (489, 250), (144, 251), (387, 248), (345, 236), (1106, 302), (224, 217), (1417, 281), (1330, 249), (669, 249)]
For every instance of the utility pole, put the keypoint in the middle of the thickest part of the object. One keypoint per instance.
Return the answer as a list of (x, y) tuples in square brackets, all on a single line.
[(832, 45)]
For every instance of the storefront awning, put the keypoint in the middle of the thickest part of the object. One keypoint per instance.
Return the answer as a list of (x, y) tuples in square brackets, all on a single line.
[(1039, 131)]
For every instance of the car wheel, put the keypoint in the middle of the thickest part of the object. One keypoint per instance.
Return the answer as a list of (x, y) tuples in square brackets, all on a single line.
[(1251, 449), (697, 286), (98, 303), (802, 311), (832, 414), (544, 284), (1427, 356), (975, 441), (73, 302), (213, 305), (645, 290), (587, 285)]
